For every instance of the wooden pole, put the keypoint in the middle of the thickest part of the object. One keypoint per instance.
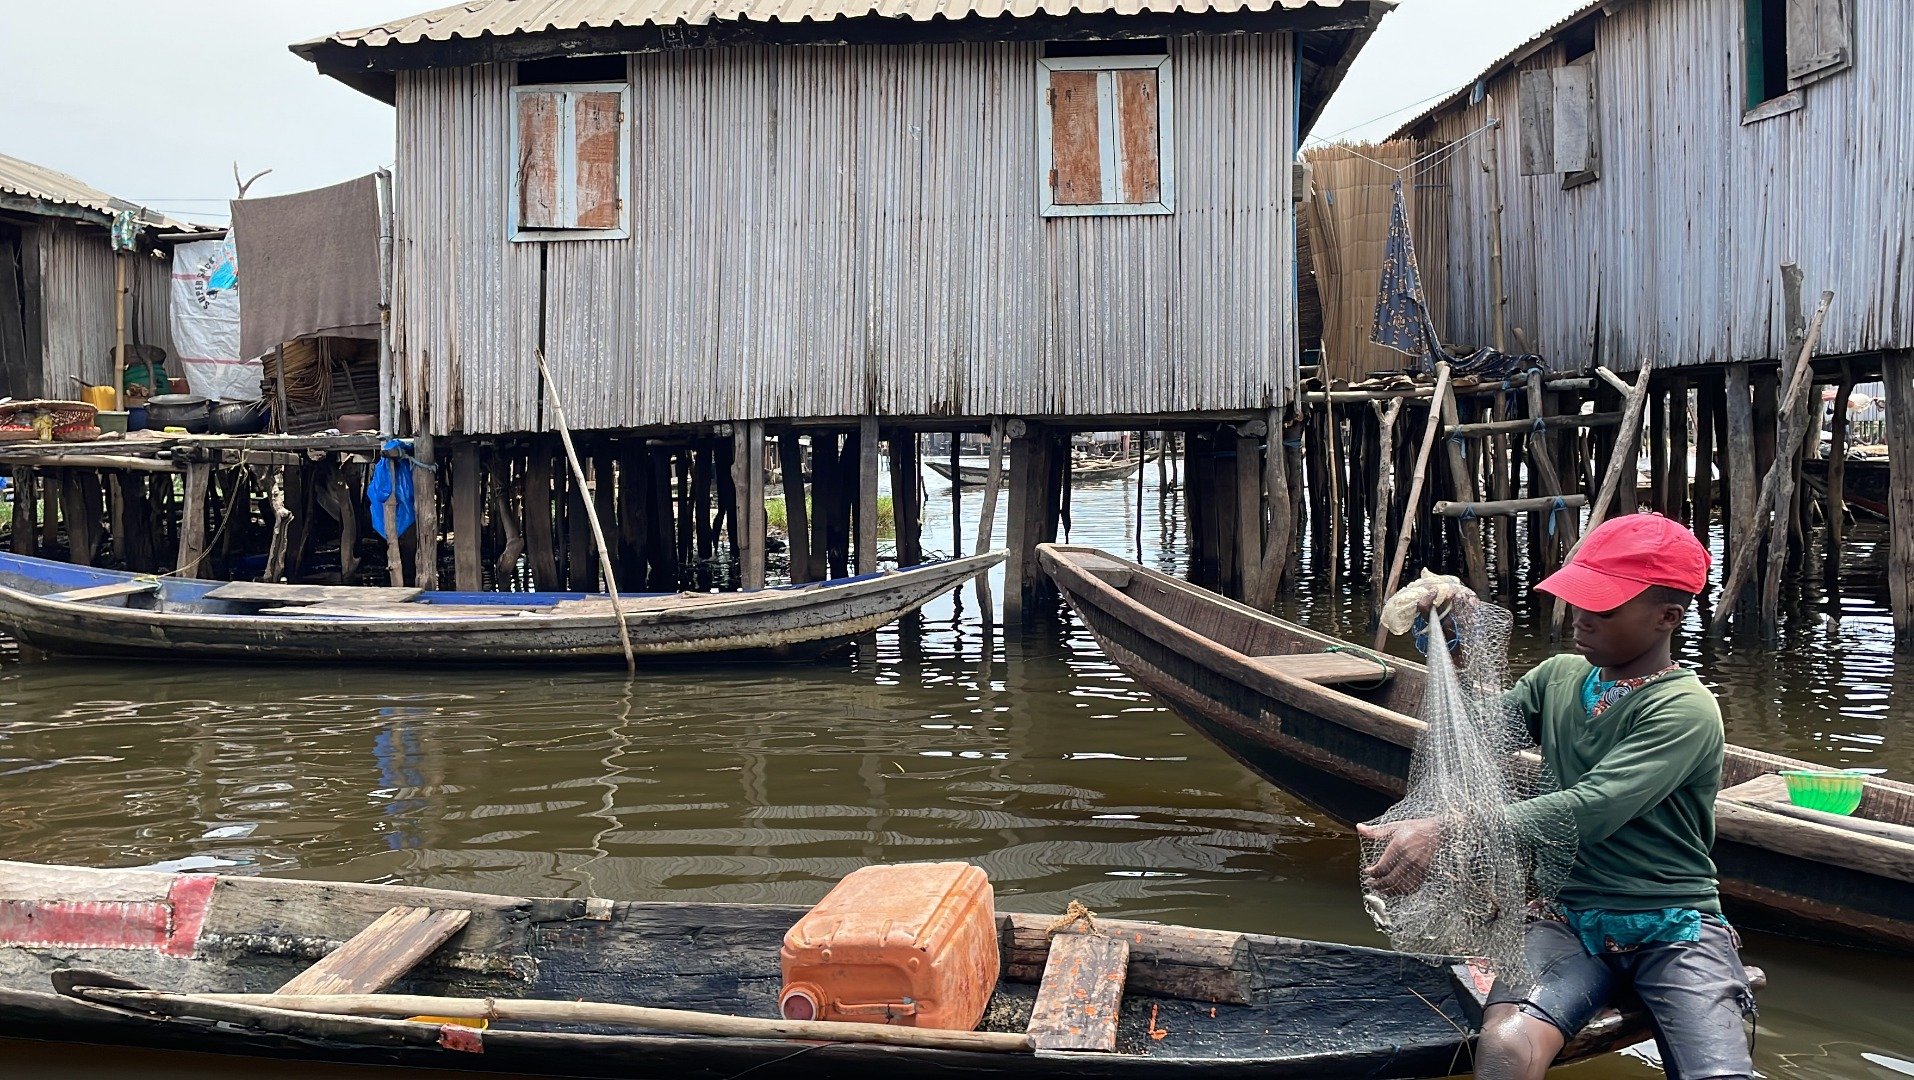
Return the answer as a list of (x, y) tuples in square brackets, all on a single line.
[(1385, 492), (1621, 460), (119, 330), (1464, 484), (192, 529), (468, 495), (1777, 488), (394, 554), (1678, 421), (684, 1021), (1282, 513), (1740, 457), (1702, 509), (993, 482), (747, 477), (867, 495), (1249, 512), (24, 505), (591, 513), (905, 502), (1546, 479), (797, 527), (1414, 501), (425, 529), (1897, 378), (1491, 164), (1837, 472), (1505, 508)]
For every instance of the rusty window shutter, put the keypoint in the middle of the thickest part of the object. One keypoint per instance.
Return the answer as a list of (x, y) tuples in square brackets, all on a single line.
[(1075, 143), (1141, 178), (538, 160), (596, 153)]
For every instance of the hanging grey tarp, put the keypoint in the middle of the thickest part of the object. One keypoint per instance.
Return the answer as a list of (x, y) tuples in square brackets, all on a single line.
[(312, 265)]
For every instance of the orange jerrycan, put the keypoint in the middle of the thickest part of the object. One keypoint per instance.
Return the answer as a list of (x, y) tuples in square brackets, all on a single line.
[(913, 945)]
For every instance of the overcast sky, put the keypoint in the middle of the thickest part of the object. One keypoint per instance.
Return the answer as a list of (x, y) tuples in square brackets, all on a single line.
[(153, 100)]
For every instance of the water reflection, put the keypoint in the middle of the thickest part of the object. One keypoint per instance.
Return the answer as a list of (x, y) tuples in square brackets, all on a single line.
[(1030, 755)]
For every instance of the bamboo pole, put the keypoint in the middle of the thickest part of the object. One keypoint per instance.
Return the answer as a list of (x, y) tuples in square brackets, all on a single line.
[(1463, 482), (1777, 488), (591, 513), (685, 1021), (1508, 507), (1408, 529), (1385, 490), (1837, 472)]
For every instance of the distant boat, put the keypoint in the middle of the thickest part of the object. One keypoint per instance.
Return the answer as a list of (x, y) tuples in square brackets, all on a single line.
[(1330, 722), (76, 610), (597, 987), (975, 471)]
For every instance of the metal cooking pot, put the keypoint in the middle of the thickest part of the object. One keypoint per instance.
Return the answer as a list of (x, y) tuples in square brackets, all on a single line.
[(189, 411), (239, 417)]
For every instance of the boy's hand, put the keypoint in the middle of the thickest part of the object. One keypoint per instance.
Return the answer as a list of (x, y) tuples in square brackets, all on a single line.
[(1408, 848)]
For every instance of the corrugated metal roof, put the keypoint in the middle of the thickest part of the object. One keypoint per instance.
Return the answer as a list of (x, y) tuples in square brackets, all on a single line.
[(24, 178), (504, 18), (1515, 55)]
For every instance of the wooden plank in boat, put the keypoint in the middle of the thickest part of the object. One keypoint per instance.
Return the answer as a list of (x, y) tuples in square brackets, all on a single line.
[(1770, 793), (1326, 668), (1081, 994), (377, 956), (373, 609), (1112, 572), (272, 592), (103, 592)]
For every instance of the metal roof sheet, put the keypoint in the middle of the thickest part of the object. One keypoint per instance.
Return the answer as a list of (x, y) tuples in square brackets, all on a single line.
[(32, 181), (504, 18), (1513, 56)]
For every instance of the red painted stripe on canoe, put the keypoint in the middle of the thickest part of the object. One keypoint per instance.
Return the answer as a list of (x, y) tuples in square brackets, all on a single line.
[(190, 895), (464, 1039), (171, 926)]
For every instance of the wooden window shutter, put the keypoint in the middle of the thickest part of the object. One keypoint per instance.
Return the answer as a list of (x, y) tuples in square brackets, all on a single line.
[(1574, 121), (1141, 179), (597, 151), (538, 160), (1535, 104), (1819, 41), (1075, 140)]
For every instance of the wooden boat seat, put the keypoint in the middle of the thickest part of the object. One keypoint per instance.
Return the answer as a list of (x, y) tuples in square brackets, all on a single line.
[(104, 592), (1111, 572), (377, 956), (1327, 668), (1770, 792), (1081, 994), (273, 592)]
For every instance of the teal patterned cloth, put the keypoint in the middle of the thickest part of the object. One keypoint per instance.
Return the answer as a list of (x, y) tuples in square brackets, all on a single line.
[(1625, 931)]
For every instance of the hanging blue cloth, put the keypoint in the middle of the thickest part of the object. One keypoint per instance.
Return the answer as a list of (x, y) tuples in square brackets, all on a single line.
[(390, 482), (1402, 315)]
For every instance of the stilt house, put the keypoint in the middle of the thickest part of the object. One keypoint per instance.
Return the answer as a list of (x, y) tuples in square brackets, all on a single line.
[(1639, 175), (59, 285), (1052, 215)]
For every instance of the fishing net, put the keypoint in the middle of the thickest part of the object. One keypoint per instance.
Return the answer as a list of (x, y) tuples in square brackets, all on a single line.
[(1466, 773)]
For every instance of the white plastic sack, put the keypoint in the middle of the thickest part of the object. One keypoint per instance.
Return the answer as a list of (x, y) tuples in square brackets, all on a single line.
[(205, 318)]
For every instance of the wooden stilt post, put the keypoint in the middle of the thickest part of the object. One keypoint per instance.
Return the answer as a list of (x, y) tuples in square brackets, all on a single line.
[(425, 504), (956, 497), (797, 520), (1464, 487), (905, 501), (1249, 509), (828, 555), (867, 495), (1703, 508), (1678, 419), (731, 513), (1897, 377), (192, 530), (1029, 466), (1281, 514), (507, 518), (1546, 479), (1385, 493), (468, 495), (1411, 507), (747, 473), (1740, 455), (389, 509), (581, 570), (1837, 473), (25, 536), (1658, 452), (993, 482), (541, 548), (1777, 491), (1621, 460)]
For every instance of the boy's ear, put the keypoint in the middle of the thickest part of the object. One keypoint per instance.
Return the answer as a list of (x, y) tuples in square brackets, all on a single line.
[(1671, 617)]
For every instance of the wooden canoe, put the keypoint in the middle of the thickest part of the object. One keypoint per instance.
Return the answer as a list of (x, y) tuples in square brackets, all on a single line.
[(1199, 1003), (77, 610), (1332, 724)]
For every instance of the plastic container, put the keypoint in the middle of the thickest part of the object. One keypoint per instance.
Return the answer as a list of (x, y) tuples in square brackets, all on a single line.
[(102, 398), (913, 945), (110, 420), (1833, 791)]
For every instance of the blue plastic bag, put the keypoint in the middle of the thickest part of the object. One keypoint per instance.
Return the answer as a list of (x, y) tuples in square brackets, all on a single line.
[(388, 482)]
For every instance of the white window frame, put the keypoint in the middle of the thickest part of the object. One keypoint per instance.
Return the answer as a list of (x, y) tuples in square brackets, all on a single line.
[(568, 143), (1110, 146)]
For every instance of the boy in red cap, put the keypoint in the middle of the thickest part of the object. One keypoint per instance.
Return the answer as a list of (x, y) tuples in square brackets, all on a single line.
[(1635, 741)]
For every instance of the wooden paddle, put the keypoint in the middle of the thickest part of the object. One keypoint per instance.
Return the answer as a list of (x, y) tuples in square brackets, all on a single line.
[(563, 1012)]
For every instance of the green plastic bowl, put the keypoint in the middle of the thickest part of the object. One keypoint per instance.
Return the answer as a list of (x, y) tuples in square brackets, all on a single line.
[(1833, 792)]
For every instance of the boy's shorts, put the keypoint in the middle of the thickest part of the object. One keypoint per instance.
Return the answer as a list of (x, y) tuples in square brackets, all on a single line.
[(1696, 992)]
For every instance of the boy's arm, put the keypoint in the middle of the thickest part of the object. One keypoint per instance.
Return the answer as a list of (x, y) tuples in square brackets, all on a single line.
[(1650, 762), (1526, 697)]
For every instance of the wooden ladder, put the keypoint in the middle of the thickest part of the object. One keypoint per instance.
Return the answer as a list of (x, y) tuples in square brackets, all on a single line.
[(377, 956)]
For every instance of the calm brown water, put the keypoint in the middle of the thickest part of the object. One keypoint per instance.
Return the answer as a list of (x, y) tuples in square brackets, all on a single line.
[(1027, 754)]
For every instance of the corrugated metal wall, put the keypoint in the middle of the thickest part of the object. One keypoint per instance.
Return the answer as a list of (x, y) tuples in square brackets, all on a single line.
[(1686, 230), (75, 267), (840, 231)]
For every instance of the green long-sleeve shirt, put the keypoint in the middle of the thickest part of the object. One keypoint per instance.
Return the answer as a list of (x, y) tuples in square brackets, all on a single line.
[(1638, 782)]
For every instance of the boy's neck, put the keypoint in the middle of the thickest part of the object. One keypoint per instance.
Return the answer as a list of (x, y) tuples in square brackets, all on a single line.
[(1648, 663)]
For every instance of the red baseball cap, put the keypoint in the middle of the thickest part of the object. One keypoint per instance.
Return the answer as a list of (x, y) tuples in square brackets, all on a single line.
[(1623, 556)]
